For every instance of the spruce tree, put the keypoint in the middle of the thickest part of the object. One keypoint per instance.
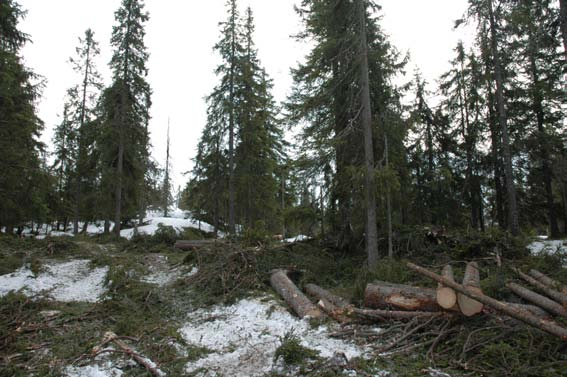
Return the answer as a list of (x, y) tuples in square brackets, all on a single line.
[(82, 100), (259, 148), (536, 55), (126, 106), (327, 100), (65, 159), (20, 170)]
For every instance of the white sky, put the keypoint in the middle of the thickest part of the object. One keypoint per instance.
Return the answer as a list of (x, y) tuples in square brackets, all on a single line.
[(180, 38)]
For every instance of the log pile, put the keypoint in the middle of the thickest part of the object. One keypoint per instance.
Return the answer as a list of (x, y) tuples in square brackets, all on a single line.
[(384, 301)]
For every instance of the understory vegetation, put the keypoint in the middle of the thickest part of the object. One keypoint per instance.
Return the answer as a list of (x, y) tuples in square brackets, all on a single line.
[(42, 337)]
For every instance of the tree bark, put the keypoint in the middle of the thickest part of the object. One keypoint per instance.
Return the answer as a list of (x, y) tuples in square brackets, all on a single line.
[(513, 220), (384, 315), (563, 24), (321, 293), (535, 298), (385, 296), (471, 280), (548, 281), (558, 296), (366, 118), (547, 173), (446, 296), (547, 326), (231, 188), (300, 304)]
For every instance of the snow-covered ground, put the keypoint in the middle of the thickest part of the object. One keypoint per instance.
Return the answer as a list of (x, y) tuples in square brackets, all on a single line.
[(60, 281), (245, 336), (161, 274), (105, 369), (545, 246), (178, 219)]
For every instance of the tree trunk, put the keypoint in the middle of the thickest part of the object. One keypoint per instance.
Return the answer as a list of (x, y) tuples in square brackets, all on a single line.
[(381, 295), (535, 298), (293, 296), (471, 281), (384, 315), (558, 296), (563, 23), (118, 189), (320, 293), (231, 188), (547, 173), (446, 296), (366, 118), (547, 326), (548, 281), (106, 226), (513, 220)]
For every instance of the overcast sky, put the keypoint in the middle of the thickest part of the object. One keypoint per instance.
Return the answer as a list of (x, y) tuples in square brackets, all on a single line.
[(180, 38)]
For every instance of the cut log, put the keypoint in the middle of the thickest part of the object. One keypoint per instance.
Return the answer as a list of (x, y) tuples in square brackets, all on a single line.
[(381, 295), (551, 292), (193, 244), (300, 304), (547, 326), (384, 315), (446, 296), (339, 314), (535, 310), (551, 283), (468, 306), (535, 298), (321, 293)]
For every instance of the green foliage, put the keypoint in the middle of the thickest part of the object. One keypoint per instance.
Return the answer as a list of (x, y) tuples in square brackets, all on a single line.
[(292, 352), (22, 177)]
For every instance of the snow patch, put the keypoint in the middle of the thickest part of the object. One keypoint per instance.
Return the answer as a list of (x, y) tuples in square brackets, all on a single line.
[(297, 238), (245, 336), (162, 275), (105, 370), (60, 281), (179, 219), (547, 247)]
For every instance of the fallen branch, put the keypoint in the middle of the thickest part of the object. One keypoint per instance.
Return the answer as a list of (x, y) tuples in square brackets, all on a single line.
[(111, 337), (528, 318), (539, 300), (300, 304)]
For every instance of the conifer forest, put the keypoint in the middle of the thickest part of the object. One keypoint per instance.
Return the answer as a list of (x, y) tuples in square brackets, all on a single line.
[(373, 221)]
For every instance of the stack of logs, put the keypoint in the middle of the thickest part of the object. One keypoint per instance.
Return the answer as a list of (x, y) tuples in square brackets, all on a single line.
[(387, 301)]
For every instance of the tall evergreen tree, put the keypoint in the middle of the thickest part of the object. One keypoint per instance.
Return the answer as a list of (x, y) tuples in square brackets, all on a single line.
[(65, 153), (166, 190), (82, 106), (326, 99), (126, 106), (20, 171), (259, 148), (489, 20), (541, 88)]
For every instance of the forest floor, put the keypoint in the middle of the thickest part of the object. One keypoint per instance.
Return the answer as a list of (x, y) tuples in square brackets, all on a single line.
[(93, 306)]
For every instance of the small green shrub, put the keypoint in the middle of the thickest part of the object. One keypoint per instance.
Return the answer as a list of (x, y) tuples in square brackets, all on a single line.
[(292, 352)]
